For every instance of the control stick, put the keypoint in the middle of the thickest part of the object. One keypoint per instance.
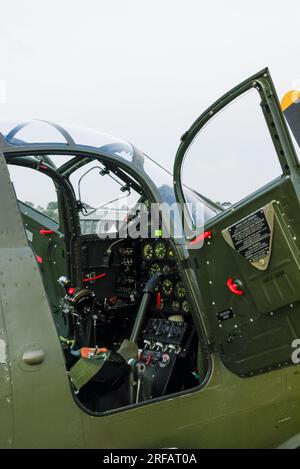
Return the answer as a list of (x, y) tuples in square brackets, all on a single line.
[(149, 289)]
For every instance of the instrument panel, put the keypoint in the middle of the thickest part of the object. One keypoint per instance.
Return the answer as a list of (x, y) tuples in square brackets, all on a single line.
[(158, 257)]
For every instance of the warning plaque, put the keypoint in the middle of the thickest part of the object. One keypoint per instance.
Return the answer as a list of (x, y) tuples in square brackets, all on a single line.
[(251, 236)]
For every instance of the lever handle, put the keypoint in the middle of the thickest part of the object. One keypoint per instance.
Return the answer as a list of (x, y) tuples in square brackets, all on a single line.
[(45, 232), (234, 287)]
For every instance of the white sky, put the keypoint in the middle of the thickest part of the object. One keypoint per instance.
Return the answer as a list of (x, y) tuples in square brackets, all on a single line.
[(140, 70)]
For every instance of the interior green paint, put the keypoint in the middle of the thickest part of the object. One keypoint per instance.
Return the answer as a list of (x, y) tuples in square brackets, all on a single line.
[(259, 337)]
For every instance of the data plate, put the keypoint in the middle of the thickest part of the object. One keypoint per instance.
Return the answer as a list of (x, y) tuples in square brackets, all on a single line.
[(225, 315), (251, 237)]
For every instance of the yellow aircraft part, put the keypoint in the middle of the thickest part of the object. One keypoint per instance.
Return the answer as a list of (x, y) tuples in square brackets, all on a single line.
[(291, 97)]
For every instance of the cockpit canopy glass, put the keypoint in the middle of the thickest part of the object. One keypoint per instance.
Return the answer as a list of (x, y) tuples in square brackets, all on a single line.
[(37, 132), (42, 133)]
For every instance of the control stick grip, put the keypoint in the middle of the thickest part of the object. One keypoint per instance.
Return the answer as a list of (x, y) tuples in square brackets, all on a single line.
[(149, 289)]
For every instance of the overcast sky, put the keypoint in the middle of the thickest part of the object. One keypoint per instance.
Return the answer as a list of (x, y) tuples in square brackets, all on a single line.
[(140, 70)]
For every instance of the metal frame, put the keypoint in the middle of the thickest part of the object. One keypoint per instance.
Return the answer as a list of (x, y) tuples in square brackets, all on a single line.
[(277, 126)]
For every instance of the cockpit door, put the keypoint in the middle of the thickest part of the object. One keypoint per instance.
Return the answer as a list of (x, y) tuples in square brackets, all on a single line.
[(247, 257)]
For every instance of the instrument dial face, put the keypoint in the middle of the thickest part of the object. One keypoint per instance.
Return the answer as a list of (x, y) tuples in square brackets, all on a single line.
[(170, 254), (175, 306), (154, 269), (180, 290), (165, 269), (167, 287), (185, 306), (147, 252), (160, 250)]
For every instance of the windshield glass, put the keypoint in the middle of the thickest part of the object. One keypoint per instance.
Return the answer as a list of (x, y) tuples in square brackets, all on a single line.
[(105, 199), (199, 208), (233, 151), (36, 132)]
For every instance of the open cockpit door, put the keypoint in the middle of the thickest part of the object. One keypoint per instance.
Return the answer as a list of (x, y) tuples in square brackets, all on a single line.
[(247, 260)]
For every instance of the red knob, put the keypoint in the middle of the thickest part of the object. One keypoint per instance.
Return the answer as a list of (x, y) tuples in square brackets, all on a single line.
[(234, 288)]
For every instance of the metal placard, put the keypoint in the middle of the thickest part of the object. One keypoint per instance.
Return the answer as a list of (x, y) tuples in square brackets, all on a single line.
[(252, 236), (225, 315)]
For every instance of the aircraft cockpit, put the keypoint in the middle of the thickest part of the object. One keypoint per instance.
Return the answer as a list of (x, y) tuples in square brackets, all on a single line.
[(115, 278)]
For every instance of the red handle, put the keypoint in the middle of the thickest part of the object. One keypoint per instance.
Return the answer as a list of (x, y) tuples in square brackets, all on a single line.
[(202, 237), (91, 279), (235, 289), (158, 300), (46, 232)]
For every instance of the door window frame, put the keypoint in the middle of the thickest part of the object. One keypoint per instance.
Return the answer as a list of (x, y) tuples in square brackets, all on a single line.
[(276, 124)]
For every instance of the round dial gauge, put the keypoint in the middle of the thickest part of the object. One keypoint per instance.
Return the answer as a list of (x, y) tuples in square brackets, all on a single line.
[(175, 306), (154, 269), (160, 250), (185, 306), (165, 269), (170, 254), (167, 287), (147, 252), (179, 290)]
